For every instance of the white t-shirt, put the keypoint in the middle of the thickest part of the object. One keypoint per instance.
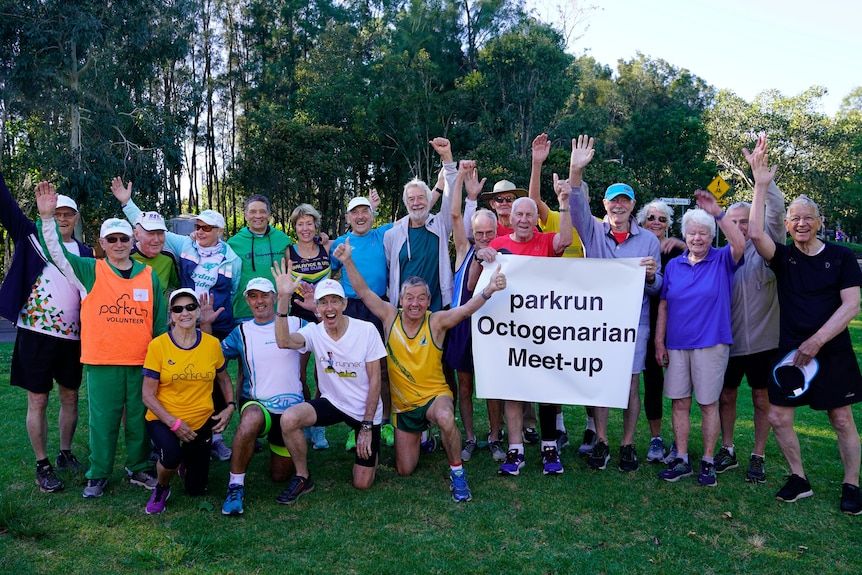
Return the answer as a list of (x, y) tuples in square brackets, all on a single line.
[(342, 377), (54, 305), (271, 374)]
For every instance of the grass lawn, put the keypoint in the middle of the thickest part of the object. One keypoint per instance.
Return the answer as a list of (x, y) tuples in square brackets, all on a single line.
[(580, 522)]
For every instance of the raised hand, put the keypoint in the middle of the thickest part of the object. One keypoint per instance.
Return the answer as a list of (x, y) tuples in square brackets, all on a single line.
[(562, 188), (285, 285), (374, 198), (443, 148), (541, 148), (46, 199), (498, 280), (123, 194), (472, 184), (758, 160), (343, 252), (582, 152), (208, 314), (707, 203)]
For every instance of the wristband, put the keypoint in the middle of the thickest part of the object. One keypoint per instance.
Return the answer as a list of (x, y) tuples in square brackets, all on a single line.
[(485, 297), (563, 210), (280, 314), (177, 424), (719, 216), (233, 403)]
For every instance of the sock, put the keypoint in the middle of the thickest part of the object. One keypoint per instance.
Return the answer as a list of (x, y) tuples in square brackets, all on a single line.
[(519, 447), (763, 457), (42, 463), (683, 456), (458, 467), (591, 424), (709, 460), (730, 449), (561, 426), (549, 444), (237, 479), (658, 437), (424, 436)]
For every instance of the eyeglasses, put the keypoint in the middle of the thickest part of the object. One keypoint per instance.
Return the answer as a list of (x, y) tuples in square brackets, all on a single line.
[(204, 228), (113, 239), (504, 199), (188, 307), (652, 218)]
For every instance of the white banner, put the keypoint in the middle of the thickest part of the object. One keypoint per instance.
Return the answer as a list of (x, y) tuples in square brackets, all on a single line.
[(563, 331)]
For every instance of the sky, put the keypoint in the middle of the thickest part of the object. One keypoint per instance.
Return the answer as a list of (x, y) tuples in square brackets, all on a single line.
[(747, 46)]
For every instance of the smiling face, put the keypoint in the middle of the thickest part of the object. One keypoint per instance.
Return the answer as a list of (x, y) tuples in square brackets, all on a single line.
[(305, 229), (802, 223), (415, 301), (66, 220), (502, 204), (207, 235), (184, 319), (360, 220), (331, 308), (656, 222), (416, 201), (738, 216), (524, 219), (257, 216), (698, 238), (261, 304), (619, 209), (484, 230), (149, 243), (117, 248)]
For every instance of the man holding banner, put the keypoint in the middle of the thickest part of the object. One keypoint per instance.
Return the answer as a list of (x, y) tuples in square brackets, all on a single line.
[(617, 236), (526, 241), (414, 339)]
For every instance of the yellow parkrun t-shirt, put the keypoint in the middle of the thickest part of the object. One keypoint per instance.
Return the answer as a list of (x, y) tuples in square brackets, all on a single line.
[(552, 224), (415, 372), (185, 377)]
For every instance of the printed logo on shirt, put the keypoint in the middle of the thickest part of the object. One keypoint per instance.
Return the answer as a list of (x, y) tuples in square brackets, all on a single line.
[(124, 311), (189, 374)]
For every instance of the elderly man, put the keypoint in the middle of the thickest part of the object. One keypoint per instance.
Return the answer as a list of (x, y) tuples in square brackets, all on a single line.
[(46, 308), (754, 322), (149, 250), (818, 288), (120, 302), (348, 352), (526, 241), (270, 385), (420, 247), (420, 394), (618, 236), (258, 245)]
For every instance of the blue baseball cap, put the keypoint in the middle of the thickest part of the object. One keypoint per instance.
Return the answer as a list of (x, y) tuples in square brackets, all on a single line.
[(615, 190)]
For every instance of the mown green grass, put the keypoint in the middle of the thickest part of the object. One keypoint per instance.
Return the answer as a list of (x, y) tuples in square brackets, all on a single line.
[(580, 522)]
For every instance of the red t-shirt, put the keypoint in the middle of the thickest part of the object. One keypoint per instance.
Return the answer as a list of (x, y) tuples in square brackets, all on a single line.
[(541, 244)]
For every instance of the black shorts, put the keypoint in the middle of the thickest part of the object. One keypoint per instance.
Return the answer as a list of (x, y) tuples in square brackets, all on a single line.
[(38, 360), (757, 368), (837, 383), (356, 309), (328, 414)]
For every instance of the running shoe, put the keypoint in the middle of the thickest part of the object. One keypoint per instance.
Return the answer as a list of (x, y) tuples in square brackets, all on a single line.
[(220, 450), (157, 501), (458, 486), (233, 501), (469, 448), (67, 462), (706, 477), (587, 444), (851, 499), (725, 460), (95, 488), (656, 451), (599, 456), (497, 451), (318, 438), (513, 464), (551, 461), (143, 478), (47, 481), (628, 458), (297, 487), (676, 470), (756, 472), (795, 489)]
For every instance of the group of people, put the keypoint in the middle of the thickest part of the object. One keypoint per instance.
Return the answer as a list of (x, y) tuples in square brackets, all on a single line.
[(388, 336)]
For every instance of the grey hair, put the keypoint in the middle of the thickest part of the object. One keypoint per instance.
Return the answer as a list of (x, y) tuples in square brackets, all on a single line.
[(804, 200), (414, 281), (416, 183), (257, 198), (699, 217), (483, 212), (745, 205), (528, 200), (305, 210), (656, 205)]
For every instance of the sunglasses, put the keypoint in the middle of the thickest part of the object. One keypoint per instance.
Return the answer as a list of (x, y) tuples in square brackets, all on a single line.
[(203, 228), (188, 307), (652, 218), (504, 199), (114, 239)]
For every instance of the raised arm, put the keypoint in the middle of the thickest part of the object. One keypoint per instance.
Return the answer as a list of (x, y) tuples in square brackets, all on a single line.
[(74, 268), (474, 186), (563, 238), (383, 310), (174, 243), (446, 319), (582, 155), (450, 172), (708, 203), (763, 175), (541, 149), (459, 234), (285, 285)]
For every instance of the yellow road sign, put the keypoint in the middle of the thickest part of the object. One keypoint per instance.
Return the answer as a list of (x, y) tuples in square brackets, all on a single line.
[(718, 187)]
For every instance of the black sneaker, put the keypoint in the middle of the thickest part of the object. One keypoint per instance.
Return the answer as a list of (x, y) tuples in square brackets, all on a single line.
[(600, 456), (531, 436), (725, 460), (796, 488), (587, 444), (851, 499), (628, 458), (297, 487), (67, 462), (47, 481), (562, 440)]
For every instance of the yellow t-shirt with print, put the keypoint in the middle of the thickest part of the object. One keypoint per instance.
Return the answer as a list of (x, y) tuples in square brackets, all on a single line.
[(552, 224)]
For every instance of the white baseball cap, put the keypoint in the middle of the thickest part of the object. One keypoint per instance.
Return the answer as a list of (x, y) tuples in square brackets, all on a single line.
[(358, 201), (66, 202), (328, 287), (259, 284), (151, 221), (115, 226), (212, 218), (183, 291)]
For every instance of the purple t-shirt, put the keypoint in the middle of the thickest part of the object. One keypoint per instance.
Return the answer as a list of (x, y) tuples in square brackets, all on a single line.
[(698, 299)]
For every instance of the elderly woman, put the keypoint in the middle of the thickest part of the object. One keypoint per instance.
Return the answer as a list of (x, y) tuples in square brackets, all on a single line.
[(178, 374), (656, 217), (309, 257), (693, 334)]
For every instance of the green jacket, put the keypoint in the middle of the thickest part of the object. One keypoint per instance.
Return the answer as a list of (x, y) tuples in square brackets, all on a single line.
[(257, 254)]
